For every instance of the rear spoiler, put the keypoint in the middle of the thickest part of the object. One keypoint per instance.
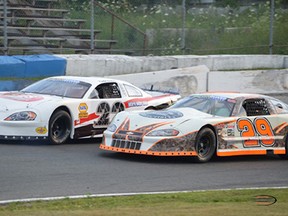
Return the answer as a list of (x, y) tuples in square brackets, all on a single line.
[(164, 90)]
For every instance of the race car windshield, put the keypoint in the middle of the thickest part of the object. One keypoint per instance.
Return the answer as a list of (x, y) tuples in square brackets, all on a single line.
[(59, 87), (214, 105)]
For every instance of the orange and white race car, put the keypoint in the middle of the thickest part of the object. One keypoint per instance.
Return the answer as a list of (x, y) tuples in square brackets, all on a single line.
[(204, 125), (59, 108)]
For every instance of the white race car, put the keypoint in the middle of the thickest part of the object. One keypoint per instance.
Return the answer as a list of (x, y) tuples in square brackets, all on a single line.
[(65, 107), (203, 125)]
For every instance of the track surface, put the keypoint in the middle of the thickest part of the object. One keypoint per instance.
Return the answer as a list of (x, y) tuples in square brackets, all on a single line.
[(34, 170)]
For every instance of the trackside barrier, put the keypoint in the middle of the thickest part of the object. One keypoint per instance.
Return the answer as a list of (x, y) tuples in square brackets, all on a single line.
[(11, 67), (256, 81), (225, 72), (15, 71), (199, 79), (43, 65), (110, 65), (9, 85), (241, 73), (184, 80)]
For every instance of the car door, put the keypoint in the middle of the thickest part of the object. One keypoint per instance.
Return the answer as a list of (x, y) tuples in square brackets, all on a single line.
[(256, 129), (104, 102)]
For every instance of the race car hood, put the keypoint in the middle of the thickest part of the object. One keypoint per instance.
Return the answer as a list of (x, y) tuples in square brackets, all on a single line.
[(10, 101), (173, 117)]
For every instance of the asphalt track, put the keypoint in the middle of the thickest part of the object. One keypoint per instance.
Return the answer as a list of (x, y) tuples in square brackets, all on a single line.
[(37, 170)]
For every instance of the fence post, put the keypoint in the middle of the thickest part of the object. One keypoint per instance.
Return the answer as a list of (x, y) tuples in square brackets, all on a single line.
[(272, 11), (5, 28), (183, 44), (92, 27)]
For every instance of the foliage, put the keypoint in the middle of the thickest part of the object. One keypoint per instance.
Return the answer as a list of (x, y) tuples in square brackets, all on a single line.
[(228, 26)]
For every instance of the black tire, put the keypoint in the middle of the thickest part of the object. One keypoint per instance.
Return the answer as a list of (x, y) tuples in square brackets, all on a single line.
[(285, 156), (59, 127), (205, 145)]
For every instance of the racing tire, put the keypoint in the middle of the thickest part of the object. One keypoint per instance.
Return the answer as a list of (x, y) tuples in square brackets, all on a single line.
[(205, 145), (285, 156), (59, 127)]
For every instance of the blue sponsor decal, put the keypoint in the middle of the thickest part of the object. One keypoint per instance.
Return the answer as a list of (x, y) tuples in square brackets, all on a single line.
[(169, 114), (137, 104)]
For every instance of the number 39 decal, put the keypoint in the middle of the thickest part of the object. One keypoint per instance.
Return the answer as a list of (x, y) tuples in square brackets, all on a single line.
[(260, 127)]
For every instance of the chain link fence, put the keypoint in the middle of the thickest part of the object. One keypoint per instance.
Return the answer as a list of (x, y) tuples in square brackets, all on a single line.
[(166, 27)]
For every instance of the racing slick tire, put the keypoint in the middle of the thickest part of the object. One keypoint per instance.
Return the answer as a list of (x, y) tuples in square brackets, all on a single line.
[(59, 127), (205, 145), (285, 156)]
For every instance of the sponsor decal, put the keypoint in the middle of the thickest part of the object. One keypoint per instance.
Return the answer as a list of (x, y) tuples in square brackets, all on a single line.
[(143, 101), (41, 130), (18, 96), (66, 80), (90, 117), (83, 110), (137, 104), (170, 114), (226, 129)]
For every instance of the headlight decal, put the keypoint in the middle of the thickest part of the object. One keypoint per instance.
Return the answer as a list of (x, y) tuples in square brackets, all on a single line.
[(164, 132), (111, 127), (22, 116)]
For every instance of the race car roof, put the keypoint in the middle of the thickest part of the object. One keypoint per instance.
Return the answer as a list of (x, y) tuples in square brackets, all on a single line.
[(91, 80), (234, 95)]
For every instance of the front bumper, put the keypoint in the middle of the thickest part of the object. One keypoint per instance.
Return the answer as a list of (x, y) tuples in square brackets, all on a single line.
[(23, 130), (157, 146)]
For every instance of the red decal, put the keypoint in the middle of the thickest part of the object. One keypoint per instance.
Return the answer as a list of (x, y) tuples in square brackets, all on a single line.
[(18, 96), (142, 101), (83, 120)]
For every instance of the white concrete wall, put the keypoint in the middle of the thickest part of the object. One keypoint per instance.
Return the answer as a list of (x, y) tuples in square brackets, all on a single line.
[(101, 65), (256, 81), (189, 73), (184, 80), (199, 79), (106, 65)]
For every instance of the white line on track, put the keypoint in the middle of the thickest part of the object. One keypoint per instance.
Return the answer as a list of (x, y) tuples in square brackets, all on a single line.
[(126, 194)]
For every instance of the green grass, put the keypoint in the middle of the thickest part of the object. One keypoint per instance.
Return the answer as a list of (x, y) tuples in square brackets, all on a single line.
[(232, 203)]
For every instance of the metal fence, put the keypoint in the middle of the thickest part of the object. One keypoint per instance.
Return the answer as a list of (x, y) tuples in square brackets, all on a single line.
[(194, 27)]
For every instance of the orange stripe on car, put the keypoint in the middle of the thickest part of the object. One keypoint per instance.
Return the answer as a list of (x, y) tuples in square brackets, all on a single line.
[(225, 153), (131, 151), (280, 127), (279, 151)]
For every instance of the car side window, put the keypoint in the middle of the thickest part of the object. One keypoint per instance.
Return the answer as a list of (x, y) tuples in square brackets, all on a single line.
[(256, 107), (132, 91), (222, 109), (94, 94), (108, 90), (279, 106)]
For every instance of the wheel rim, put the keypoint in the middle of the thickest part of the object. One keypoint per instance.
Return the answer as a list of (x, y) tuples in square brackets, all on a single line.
[(60, 129), (204, 146)]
